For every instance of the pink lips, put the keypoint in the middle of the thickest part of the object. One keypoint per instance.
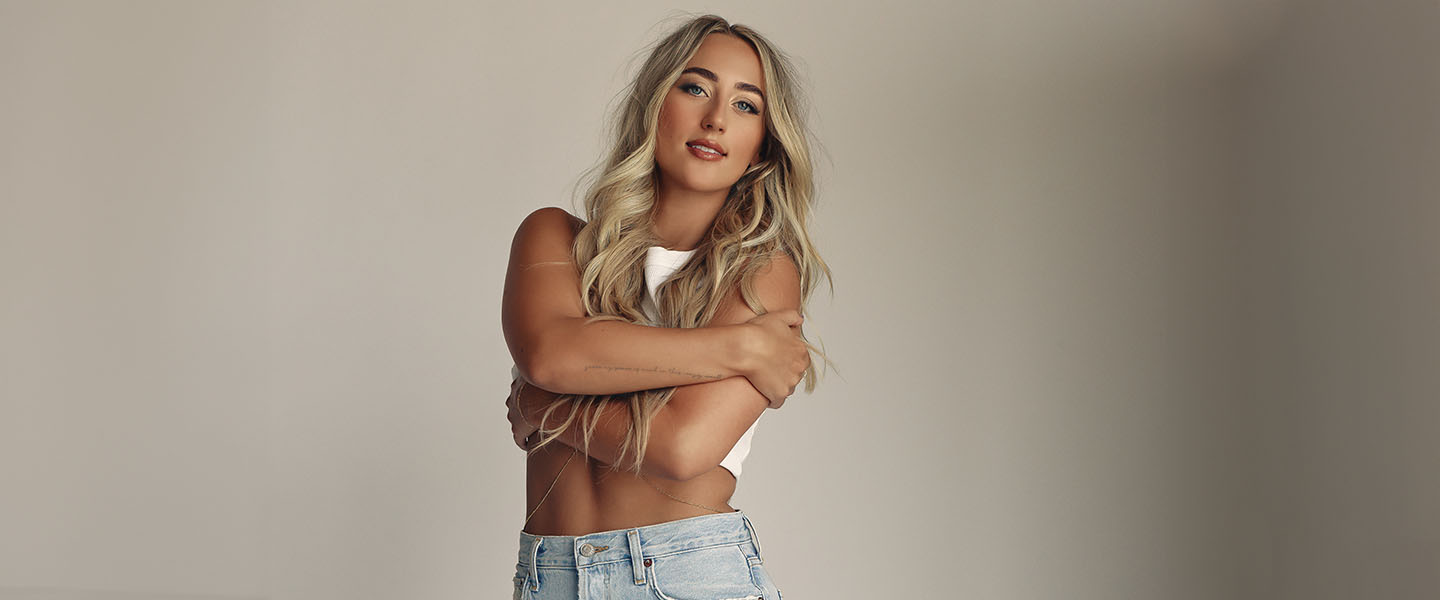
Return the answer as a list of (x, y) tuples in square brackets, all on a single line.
[(711, 144)]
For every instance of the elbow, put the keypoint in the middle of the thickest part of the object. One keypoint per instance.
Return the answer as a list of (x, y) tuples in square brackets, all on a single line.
[(679, 468), (666, 469), (667, 455), (542, 367), (691, 470), (555, 361), (686, 458), (533, 372)]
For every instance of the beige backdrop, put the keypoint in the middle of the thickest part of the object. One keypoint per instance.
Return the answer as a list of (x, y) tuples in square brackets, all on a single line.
[(1134, 299)]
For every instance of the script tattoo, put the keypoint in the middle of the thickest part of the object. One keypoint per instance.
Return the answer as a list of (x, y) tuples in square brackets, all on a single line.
[(670, 370)]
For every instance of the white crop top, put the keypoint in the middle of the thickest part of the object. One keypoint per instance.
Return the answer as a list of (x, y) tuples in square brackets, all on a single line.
[(660, 263)]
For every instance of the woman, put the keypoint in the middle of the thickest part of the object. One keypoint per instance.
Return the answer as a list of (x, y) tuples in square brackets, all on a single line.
[(695, 266)]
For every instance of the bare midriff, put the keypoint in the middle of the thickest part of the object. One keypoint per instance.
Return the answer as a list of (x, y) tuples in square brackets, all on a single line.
[(589, 497)]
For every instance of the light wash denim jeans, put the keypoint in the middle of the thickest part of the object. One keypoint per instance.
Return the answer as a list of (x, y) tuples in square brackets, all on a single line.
[(709, 557)]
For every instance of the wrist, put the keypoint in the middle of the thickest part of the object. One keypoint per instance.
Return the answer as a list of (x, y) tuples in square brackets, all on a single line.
[(520, 405), (738, 354)]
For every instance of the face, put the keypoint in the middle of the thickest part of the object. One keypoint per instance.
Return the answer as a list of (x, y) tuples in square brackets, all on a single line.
[(719, 98)]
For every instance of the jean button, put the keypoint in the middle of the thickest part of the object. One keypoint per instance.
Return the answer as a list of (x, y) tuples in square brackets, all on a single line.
[(587, 550)]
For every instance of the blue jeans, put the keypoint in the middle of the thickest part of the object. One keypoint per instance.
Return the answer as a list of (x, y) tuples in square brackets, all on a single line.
[(709, 557)]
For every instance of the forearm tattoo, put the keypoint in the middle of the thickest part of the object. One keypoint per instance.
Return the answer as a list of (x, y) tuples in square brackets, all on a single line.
[(671, 370)]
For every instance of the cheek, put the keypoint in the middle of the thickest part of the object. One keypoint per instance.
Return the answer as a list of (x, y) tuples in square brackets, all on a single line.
[(757, 142), (668, 115)]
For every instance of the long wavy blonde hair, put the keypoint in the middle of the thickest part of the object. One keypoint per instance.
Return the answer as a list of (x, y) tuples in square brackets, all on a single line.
[(764, 214)]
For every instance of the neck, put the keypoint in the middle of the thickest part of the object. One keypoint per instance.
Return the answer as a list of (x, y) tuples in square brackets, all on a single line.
[(682, 217)]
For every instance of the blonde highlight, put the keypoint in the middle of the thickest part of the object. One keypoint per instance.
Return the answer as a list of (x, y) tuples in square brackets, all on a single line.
[(765, 215)]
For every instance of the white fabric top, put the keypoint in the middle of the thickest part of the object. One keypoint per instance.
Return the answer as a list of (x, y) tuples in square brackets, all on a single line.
[(660, 263)]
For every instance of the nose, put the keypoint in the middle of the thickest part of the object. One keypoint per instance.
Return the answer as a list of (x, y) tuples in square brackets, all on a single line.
[(715, 117)]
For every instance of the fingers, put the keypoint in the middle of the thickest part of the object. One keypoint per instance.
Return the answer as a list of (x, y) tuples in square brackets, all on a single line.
[(789, 317), (792, 317), (523, 441)]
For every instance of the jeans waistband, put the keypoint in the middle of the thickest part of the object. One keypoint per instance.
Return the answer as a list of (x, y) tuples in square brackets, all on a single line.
[(635, 543)]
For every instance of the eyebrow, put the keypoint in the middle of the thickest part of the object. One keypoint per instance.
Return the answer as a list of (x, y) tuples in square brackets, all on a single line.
[(708, 74)]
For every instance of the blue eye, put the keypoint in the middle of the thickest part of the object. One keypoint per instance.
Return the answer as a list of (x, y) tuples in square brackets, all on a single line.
[(688, 87)]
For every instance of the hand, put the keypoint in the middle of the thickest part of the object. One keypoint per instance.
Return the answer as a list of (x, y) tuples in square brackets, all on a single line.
[(519, 427), (776, 354)]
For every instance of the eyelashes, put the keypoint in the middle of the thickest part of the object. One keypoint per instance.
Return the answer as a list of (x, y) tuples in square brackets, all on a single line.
[(752, 109)]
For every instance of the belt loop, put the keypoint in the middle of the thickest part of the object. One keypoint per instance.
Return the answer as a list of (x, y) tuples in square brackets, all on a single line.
[(753, 537), (534, 570), (635, 556)]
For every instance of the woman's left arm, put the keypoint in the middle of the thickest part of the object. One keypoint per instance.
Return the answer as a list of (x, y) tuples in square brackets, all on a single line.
[(703, 420)]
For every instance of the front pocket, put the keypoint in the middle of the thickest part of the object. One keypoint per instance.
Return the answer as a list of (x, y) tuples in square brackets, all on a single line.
[(704, 574)]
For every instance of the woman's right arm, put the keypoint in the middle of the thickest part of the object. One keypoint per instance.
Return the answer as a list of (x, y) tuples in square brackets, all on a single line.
[(544, 322), (692, 433)]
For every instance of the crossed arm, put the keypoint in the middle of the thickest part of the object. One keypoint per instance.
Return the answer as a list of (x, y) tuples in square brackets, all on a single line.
[(702, 421), (555, 348)]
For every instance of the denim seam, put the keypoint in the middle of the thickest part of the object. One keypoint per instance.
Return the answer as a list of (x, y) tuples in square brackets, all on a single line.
[(751, 568), (534, 567), (619, 560), (759, 593)]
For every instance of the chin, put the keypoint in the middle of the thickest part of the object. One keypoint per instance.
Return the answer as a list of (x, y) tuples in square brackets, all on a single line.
[(699, 181), (706, 185)]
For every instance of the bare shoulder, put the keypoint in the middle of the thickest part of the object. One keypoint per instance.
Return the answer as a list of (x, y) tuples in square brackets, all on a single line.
[(545, 235), (550, 220), (779, 281), (776, 286)]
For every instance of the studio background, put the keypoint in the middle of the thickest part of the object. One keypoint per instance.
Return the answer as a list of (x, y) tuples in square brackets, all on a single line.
[(1132, 299)]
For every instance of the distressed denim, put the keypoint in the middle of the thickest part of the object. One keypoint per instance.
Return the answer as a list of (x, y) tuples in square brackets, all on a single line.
[(709, 557)]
